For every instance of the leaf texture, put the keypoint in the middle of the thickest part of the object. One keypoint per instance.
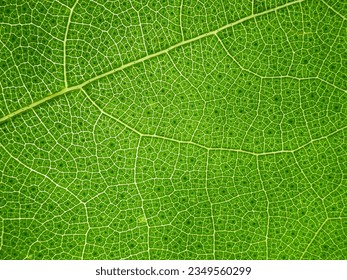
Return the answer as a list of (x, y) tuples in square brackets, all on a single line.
[(173, 129)]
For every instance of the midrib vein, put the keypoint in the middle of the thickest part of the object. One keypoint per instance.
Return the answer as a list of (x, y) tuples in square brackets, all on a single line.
[(185, 42)]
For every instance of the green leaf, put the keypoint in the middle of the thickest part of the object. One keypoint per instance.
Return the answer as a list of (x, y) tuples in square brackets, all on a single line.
[(173, 129)]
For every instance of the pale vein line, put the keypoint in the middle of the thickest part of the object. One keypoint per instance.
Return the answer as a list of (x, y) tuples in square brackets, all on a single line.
[(111, 116), (275, 77), (36, 26), (336, 12), (181, 22), (36, 103), (86, 235), (313, 238), (214, 32), (212, 214), (267, 211), (224, 12), (255, 116), (19, 219), (65, 41), (141, 197), (64, 5), (312, 187), (203, 146), (142, 34), (303, 111)]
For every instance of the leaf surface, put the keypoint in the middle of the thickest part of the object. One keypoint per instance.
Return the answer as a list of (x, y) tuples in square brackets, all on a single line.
[(173, 129)]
